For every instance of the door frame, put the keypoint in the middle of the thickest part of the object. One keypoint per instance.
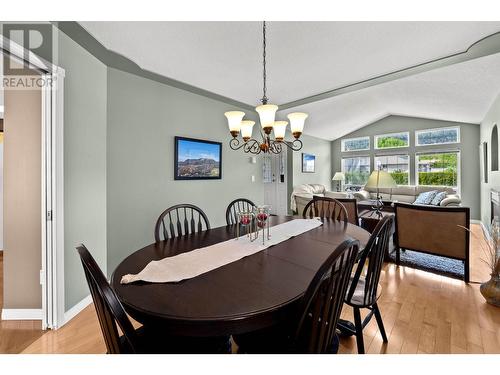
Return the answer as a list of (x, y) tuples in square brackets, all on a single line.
[(52, 218)]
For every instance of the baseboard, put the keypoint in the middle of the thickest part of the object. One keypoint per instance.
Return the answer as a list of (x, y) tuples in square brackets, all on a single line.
[(475, 221), (75, 310), (22, 314)]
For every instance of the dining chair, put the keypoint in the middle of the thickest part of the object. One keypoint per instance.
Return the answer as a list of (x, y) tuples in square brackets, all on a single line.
[(238, 205), (327, 208), (351, 206), (364, 290), (313, 328), (110, 311), (112, 315), (180, 220)]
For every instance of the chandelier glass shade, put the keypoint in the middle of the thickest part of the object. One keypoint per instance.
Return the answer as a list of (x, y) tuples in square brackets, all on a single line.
[(268, 123), (246, 129)]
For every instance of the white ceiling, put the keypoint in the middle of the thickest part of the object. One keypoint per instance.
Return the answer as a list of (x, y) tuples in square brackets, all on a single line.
[(307, 58), (461, 92)]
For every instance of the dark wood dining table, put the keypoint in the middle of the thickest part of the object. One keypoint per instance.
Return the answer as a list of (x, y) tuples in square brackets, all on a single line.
[(255, 292)]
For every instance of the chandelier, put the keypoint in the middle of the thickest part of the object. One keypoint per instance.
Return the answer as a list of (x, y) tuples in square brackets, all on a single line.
[(267, 114)]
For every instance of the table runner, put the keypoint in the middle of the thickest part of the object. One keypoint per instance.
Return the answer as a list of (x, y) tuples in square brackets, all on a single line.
[(196, 262)]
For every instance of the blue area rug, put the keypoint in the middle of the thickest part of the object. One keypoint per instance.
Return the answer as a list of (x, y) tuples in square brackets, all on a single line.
[(431, 263)]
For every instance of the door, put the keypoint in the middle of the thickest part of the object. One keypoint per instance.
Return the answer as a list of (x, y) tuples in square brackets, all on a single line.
[(275, 182), (48, 219)]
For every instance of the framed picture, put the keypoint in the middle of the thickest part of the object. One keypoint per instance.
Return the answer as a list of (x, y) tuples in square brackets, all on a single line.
[(308, 163), (196, 159)]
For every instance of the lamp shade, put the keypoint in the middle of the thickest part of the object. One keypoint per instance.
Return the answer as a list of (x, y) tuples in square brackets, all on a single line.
[(380, 179), (339, 176), (246, 129), (267, 113), (297, 120), (234, 121), (279, 130)]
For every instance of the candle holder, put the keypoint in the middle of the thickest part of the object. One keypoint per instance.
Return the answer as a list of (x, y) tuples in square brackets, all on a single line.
[(262, 217), (245, 220)]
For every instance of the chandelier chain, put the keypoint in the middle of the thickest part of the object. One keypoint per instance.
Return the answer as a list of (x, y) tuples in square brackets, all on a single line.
[(264, 76)]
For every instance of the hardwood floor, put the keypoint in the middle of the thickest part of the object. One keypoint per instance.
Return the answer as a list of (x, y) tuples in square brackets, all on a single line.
[(15, 336), (427, 313), (422, 313)]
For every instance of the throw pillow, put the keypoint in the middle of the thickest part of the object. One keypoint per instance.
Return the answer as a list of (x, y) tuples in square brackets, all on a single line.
[(438, 198), (426, 198)]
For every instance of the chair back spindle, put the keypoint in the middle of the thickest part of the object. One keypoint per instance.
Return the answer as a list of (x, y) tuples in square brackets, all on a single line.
[(325, 208), (238, 205), (180, 220)]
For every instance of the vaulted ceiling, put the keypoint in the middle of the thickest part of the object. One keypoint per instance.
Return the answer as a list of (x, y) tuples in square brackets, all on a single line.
[(309, 58)]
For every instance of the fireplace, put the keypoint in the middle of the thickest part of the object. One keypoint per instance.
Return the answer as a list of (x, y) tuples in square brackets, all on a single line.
[(495, 204)]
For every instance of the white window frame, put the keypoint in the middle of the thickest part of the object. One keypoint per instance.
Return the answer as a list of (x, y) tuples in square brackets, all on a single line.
[(394, 154), (376, 137), (417, 132), (356, 156), (459, 166), (342, 148)]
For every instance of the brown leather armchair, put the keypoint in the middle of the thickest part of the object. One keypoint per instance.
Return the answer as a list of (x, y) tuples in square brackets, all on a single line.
[(433, 230)]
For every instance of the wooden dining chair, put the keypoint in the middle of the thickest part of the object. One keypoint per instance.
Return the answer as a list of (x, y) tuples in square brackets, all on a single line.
[(109, 310), (351, 206), (326, 208), (238, 205), (313, 330), (180, 220), (364, 290), (143, 340)]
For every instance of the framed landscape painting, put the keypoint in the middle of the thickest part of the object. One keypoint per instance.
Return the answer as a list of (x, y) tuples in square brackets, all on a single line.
[(196, 159), (308, 163)]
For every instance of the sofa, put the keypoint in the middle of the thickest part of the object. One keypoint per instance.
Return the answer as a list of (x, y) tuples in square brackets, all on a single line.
[(408, 194), (303, 194)]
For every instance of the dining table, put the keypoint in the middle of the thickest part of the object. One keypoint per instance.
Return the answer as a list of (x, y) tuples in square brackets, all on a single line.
[(255, 292)]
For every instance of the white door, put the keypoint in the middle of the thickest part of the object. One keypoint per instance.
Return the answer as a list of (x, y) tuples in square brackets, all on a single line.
[(275, 182)]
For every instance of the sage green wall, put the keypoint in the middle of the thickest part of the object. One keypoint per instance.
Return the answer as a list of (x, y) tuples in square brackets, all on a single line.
[(469, 151), (84, 163), (492, 117), (323, 171), (143, 118)]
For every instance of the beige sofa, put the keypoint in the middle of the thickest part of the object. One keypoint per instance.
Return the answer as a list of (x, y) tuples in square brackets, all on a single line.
[(408, 194), (303, 194)]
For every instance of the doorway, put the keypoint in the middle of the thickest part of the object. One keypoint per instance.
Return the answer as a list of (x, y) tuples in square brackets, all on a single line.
[(275, 178), (34, 234)]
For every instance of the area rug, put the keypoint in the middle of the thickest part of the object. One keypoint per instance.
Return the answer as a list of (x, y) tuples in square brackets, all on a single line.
[(431, 263)]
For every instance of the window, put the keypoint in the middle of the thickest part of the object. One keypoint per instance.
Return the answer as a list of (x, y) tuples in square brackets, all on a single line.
[(393, 140), (356, 171), (397, 165), (440, 136), (494, 149), (356, 144), (438, 168)]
